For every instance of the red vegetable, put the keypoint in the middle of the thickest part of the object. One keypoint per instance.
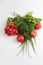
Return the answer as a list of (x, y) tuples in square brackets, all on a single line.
[(11, 30), (15, 31), (11, 25), (33, 33), (20, 38), (37, 26)]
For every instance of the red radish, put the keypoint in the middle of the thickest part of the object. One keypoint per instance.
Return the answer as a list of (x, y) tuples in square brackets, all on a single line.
[(38, 26), (11, 30), (20, 38), (33, 33), (11, 25), (15, 31)]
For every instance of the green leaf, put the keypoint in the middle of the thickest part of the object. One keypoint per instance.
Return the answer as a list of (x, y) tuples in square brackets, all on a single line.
[(28, 14), (9, 20)]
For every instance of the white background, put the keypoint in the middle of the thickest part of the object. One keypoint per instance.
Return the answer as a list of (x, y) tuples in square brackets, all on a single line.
[(9, 45)]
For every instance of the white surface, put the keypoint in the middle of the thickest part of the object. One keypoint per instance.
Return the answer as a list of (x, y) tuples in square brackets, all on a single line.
[(9, 45)]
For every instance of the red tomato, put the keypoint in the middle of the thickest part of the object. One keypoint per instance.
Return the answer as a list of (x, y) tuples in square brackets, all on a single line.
[(33, 33), (20, 38)]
